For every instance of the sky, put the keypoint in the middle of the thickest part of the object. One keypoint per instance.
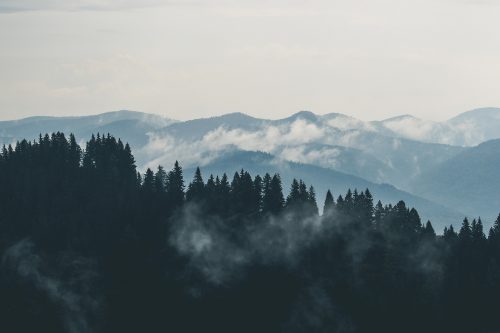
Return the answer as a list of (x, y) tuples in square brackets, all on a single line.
[(184, 59)]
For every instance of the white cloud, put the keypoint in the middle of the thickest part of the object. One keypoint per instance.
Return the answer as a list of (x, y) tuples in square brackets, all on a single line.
[(64, 5), (165, 149)]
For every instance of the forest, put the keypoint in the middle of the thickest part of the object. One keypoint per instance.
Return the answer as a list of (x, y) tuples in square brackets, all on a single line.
[(88, 244)]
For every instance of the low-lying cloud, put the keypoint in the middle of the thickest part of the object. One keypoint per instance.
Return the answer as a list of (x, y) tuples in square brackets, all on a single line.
[(73, 293), (207, 242)]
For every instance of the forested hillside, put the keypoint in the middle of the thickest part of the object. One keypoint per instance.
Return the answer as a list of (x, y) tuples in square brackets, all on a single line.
[(89, 245)]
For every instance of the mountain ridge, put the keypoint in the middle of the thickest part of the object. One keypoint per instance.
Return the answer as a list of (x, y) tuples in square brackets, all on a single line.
[(372, 151)]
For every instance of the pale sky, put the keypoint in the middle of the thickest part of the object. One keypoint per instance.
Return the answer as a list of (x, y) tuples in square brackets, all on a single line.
[(370, 59)]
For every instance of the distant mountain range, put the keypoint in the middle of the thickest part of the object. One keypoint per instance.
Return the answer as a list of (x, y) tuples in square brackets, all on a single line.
[(132, 126), (445, 169), (469, 180)]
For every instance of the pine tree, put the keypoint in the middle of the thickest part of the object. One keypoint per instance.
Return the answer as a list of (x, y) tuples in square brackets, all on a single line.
[(329, 206), (160, 180), (465, 233), (294, 196), (311, 201), (340, 204), (273, 201), (196, 189), (494, 245), (303, 193), (75, 152), (247, 198), (223, 196), (368, 209), (449, 234), (494, 234), (148, 184), (266, 184), (348, 202), (127, 162), (211, 194), (428, 231), (379, 214), (258, 192), (477, 232), (414, 223), (175, 186)]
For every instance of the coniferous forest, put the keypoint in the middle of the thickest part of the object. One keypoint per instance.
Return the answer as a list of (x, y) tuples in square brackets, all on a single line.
[(88, 244)]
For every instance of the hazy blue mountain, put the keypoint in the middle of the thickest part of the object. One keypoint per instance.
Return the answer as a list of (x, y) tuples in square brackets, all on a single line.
[(467, 129), (133, 126), (302, 115), (469, 181), (305, 137), (401, 151), (412, 128), (323, 179), (195, 129), (478, 125), (348, 160), (332, 141)]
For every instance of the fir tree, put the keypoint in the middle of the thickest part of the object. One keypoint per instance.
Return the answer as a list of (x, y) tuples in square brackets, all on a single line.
[(160, 180), (196, 189), (175, 185), (148, 184), (329, 205), (273, 201)]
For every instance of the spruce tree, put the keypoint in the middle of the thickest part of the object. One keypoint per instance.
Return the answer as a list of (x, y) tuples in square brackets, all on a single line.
[(196, 189), (465, 233), (311, 201), (303, 193), (294, 196), (428, 231), (224, 196), (175, 186), (273, 201), (148, 185), (258, 192), (160, 180), (329, 205), (477, 231), (379, 214), (75, 152)]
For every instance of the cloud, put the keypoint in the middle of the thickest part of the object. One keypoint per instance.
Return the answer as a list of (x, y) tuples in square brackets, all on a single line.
[(212, 251), (61, 5), (74, 293), (165, 149)]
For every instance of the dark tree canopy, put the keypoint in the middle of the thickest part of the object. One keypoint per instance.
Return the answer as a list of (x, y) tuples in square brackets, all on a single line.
[(89, 244)]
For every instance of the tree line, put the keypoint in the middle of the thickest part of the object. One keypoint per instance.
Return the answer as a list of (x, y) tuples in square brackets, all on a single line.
[(89, 244)]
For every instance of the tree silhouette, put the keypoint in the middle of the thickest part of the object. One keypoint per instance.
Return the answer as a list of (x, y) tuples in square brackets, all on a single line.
[(88, 241)]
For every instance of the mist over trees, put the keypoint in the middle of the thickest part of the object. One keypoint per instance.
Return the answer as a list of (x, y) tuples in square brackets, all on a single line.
[(88, 244)]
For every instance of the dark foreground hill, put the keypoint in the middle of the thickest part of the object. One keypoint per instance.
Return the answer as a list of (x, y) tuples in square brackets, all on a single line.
[(89, 245)]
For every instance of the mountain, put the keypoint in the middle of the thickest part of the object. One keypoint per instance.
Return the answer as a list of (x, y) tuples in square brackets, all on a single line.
[(413, 128), (195, 129), (469, 180), (478, 125), (331, 141), (404, 151), (323, 179), (366, 149), (348, 160), (467, 129), (131, 125)]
